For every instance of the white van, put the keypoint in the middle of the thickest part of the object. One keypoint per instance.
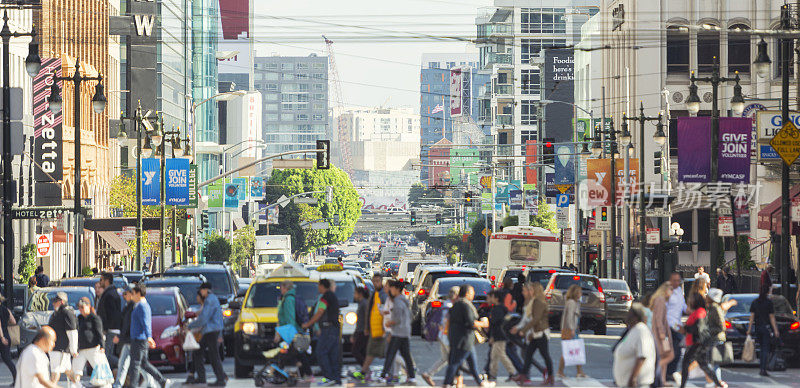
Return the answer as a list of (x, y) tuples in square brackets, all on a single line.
[(518, 246), (407, 267)]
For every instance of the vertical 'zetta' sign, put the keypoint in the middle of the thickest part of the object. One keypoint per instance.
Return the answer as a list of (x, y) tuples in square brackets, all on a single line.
[(48, 152)]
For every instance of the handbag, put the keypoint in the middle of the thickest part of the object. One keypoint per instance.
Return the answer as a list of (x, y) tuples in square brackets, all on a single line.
[(722, 353), (480, 337), (190, 343), (101, 371), (13, 335), (749, 349), (573, 351), (776, 363)]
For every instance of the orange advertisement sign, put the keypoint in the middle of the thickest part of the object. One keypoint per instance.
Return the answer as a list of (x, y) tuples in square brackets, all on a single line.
[(598, 175)]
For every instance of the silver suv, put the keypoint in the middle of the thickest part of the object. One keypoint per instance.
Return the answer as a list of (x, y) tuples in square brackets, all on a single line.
[(593, 301)]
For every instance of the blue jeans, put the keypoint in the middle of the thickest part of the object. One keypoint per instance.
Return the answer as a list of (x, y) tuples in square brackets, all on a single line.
[(140, 363), (764, 337), (456, 358), (511, 352), (328, 353), (672, 367)]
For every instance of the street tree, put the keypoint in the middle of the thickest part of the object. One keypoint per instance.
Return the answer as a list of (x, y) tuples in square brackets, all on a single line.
[(344, 207), (27, 263), (419, 195), (243, 248), (217, 248), (123, 197)]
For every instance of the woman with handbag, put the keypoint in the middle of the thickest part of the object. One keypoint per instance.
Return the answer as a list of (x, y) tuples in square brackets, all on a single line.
[(6, 320), (535, 327), (662, 334), (570, 324)]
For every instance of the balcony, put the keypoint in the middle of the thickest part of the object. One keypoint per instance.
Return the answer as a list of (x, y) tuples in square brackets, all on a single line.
[(506, 150), (504, 90), (499, 58), (505, 120)]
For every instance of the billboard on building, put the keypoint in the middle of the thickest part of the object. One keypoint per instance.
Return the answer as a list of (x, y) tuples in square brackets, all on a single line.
[(456, 80), (234, 33), (48, 151), (462, 161), (558, 84)]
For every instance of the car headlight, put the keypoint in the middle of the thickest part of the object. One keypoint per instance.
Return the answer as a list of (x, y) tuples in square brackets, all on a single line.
[(170, 332), (227, 313), (351, 318), (249, 328)]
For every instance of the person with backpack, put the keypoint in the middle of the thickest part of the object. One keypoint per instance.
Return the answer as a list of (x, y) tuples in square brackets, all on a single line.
[(435, 324), (293, 311), (42, 280), (696, 338)]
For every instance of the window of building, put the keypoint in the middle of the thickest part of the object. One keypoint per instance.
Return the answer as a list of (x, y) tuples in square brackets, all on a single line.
[(319, 96), (288, 76), (270, 96), (271, 66), (287, 66), (303, 87), (677, 50), (318, 65), (528, 112), (302, 66), (451, 65), (270, 76), (318, 118), (433, 65), (530, 81), (318, 76), (543, 20), (271, 117), (319, 106), (502, 78), (707, 50), (739, 49), (319, 87), (302, 117), (531, 47), (271, 87), (287, 116), (302, 76), (270, 106)]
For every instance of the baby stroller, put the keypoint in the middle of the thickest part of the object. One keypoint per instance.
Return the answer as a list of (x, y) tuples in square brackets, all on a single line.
[(282, 361)]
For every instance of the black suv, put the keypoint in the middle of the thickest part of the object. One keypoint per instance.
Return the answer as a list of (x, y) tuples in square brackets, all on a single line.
[(224, 285), (187, 286)]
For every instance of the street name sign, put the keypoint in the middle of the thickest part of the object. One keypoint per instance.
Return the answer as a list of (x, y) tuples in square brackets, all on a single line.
[(658, 212), (787, 143)]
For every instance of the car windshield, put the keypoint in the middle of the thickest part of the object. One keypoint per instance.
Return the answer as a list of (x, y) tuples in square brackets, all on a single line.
[(586, 282), (345, 292), (540, 276), (220, 283), (615, 285), (412, 266), (481, 287), (512, 274), (364, 264), (269, 293), (272, 258), (162, 304), (394, 266), (743, 302), (188, 290), (43, 301)]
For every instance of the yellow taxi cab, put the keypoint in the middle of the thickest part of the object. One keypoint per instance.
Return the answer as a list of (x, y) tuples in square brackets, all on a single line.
[(254, 330)]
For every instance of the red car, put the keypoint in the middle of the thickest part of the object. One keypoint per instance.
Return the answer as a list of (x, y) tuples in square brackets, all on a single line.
[(169, 327)]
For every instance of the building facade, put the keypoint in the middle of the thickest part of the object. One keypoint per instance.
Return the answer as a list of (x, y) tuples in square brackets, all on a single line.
[(294, 92)]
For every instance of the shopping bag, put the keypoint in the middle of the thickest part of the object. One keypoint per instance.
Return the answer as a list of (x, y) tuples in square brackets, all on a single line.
[(722, 353), (287, 332), (101, 371), (13, 335), (190, 344), (573, 351), (749, 350)]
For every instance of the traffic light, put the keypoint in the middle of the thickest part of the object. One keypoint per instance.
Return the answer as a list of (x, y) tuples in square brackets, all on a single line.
[(413, 217), (204, 220), (468, 197), (548, 151), (657, 162), (246, 213), (438, 219), (323, 157), (604, 214)]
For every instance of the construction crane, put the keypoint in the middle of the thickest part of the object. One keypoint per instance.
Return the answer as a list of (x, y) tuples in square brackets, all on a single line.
[(343, 129)]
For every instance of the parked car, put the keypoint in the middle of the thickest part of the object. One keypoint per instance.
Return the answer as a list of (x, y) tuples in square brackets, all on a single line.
[(738, 317), (186, 285), (120, 282), (593, 300), (618, 298), (224, 285), (429, 276), (39, 308), (441, 288), (543, 274), (168, 308)]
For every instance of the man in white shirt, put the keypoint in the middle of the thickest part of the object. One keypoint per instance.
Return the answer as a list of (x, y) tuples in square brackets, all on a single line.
[(635, 354), (33, 365), (676, 306), (701, 273)]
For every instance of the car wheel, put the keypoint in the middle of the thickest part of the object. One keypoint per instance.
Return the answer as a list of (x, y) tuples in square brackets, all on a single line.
[(600, 329), (241, 371)]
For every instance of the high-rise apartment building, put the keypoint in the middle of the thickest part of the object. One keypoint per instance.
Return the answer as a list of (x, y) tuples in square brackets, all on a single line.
[(295, 101)]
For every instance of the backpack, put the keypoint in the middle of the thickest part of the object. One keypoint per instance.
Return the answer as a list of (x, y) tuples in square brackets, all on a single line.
[(433, 324), (702, 334), (300, 311)]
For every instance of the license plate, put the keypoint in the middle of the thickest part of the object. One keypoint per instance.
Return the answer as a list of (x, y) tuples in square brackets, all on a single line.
[(584, 299), (611, 299)]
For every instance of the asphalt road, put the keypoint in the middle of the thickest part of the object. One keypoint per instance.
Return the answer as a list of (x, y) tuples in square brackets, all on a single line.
[(598, 367)]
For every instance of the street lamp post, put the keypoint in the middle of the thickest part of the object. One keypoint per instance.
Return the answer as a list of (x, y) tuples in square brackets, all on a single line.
[(612, 138), (32, 66), (660, 138), (737, 106), (99, 105), (160, 138)]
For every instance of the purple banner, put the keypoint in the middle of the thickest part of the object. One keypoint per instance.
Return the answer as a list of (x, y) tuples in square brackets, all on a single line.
[(694, 143), (734, 149)]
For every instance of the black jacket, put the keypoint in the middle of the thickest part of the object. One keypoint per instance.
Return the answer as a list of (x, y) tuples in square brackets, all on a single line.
[(62, 321), (109, 309), (90, 331), (496, 317), (125, 326)]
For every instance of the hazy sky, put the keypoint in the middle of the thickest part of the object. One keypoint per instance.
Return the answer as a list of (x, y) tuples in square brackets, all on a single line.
[(378, 44)]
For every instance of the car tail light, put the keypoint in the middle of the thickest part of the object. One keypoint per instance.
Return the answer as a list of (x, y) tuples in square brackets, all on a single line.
[(601, 296), (794, 326), (551, 271), (436, 304), (406, 292), (728, 325), (484, 305), (548, 293), (422, 291), (626, 297), (493, 277), (401, 280), (576, 278), (452, 272)]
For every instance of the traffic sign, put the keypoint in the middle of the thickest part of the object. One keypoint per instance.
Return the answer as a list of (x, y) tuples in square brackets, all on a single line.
[(43, 245), (658, 212), (563, 188), (562, 218), (562, 200), (787, 143), (486, 232), (653, 236), (725, 226)]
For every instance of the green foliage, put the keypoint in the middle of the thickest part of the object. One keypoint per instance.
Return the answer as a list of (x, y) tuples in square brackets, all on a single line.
[(743, 257), (244, 244), (477, 243), (27, 263), (217, 248), (346, 205), (420, 195), (545, 219), (86, 271)]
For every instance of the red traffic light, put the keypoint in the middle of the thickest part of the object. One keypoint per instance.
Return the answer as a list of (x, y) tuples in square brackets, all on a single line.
[(548, 144)]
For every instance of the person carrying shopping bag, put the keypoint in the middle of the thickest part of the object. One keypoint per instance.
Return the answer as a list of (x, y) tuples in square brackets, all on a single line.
[(90, 346), (570, 324)]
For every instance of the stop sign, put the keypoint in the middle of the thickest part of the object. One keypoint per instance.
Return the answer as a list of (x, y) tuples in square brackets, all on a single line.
[(43, 245)]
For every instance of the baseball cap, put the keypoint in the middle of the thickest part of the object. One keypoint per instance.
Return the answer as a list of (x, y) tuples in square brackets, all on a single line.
[(715, 294), (61, 295)]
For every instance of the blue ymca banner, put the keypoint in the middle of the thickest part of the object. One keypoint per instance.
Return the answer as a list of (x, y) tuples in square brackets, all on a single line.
[(151, 181), (177, 185)]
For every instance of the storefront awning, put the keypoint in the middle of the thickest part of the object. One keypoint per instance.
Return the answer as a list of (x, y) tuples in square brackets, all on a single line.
[(116, 224), (116, 243), (769, 217)]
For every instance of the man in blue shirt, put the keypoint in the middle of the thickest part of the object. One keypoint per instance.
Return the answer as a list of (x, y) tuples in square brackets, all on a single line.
[(141, 339), (209, 323)]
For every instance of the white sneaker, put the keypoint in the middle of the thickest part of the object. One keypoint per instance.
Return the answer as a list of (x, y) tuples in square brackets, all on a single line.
[(696, 373), (677, 377)]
